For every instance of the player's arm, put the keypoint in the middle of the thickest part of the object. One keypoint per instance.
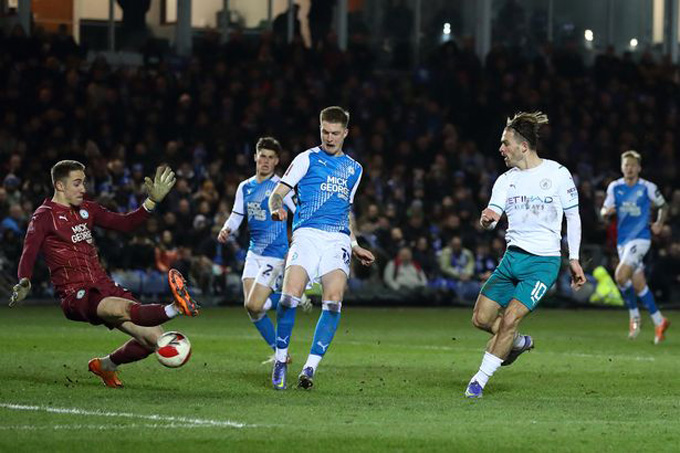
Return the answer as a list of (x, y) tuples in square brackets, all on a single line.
[(276, 201), (364, 256), (235, 218), (157, 190), (569, 199), (609, 206), (492, 214), (660, 204), (295, 172), (35, 236)]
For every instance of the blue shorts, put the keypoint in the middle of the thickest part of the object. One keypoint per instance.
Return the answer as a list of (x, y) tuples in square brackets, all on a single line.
[(522, 276)]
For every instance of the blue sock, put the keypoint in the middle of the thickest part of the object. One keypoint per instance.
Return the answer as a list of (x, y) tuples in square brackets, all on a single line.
[(266, 328), (326, 327), (647, 298), (628, 294), (285, 320), (275, 297)]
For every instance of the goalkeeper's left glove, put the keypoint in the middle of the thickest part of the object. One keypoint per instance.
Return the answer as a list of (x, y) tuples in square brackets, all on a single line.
[(20, 291), (161, 184)]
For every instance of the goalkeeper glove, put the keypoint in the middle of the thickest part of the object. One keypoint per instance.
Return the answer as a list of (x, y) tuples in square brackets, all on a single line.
[(161, 184), (20, 291)]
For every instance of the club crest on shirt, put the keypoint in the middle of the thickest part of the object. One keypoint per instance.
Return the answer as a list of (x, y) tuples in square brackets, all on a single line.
[(80, 294), (546, 184), (84, 214), (350, 170)]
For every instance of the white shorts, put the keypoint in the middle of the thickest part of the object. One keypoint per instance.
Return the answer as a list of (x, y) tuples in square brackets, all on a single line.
[(633, 252), (319, 252), (266, 270)]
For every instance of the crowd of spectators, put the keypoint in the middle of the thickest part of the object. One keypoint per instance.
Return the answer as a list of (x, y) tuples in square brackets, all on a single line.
[(427, 138)]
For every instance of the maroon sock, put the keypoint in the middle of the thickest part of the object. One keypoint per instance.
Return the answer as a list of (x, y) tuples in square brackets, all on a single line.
[(129, 352), (148, 315)]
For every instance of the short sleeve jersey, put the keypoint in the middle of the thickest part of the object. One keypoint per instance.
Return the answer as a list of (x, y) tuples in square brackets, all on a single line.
[(325, 187), (267, 237), (633, 207), (534, 201)]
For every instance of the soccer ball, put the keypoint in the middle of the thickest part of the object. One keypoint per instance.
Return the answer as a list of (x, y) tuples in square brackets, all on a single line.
[(173, 349)]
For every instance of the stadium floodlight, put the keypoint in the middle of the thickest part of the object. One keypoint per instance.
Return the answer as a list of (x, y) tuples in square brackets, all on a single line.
[(634, 43), (589, 35)]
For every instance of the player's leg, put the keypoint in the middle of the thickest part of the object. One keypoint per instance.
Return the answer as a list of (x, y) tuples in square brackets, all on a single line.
[(333, 284), (629, 259), (642, 290), (258, 298), (142, 344), (294, 282)]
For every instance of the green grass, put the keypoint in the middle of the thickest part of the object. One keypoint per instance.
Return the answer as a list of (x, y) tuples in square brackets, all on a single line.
[(392, 381)]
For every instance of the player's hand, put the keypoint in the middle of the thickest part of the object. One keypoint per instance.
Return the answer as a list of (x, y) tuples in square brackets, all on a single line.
[(364, 256), (20, 291), (223, 235), (608, 212), (656, 228), (488, 217), (578, 278), (280, 214), (162, 183)]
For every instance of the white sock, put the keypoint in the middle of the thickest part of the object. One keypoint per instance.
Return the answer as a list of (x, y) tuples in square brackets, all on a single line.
[(171, 311), (267, 305), (108, 364), (657, 317), (634, 312), (281, 354), (519, 342), (490, 363), (313, 361)]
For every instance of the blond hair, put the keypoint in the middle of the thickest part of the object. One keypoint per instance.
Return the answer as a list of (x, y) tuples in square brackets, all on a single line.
[(632, 154)]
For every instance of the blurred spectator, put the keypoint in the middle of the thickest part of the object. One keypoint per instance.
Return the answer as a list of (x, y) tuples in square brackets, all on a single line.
[(14, 221), (457, 265), (402, 273)]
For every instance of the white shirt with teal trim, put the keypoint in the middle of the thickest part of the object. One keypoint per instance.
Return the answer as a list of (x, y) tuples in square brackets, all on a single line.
[(325, 187), (535, 201)]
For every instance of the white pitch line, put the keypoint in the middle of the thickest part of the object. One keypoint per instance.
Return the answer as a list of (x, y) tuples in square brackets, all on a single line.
[(97, 427), (197, 422)]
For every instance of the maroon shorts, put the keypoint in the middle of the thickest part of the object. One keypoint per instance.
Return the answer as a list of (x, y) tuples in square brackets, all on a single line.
[(81, 304)]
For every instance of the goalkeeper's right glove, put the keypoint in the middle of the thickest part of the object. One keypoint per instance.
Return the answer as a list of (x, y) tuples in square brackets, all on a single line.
[(20, 291)]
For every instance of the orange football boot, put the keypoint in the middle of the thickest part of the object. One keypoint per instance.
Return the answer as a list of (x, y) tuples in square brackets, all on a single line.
[(660, 330), (183, 300), (109, 378)]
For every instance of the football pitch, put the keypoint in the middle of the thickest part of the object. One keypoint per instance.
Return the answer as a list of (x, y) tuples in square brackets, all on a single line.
[(393, 380)]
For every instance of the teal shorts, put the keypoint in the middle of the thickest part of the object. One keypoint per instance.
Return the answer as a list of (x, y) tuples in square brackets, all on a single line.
[(522, 276)]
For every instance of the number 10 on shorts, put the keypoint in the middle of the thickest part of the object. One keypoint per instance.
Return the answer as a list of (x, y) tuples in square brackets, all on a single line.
[(538, 291)]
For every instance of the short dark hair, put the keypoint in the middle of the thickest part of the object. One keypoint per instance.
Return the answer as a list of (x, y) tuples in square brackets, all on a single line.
[(335, 114), (63, 168), (268, 143), (527, 126)]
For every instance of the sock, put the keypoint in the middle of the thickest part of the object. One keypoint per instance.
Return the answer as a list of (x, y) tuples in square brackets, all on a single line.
[(326, 327), (647, 299), (129, 352), (171, 311), (657, 318), (266, 328), (313, 361), (108, 364), (490, 363), (628, 294), (272, 302), (285, 320), (148, 315), (634, 313), (519, 342)]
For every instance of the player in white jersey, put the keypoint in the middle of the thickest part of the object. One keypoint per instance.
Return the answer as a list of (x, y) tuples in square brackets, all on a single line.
[(326, 180), (263, 269), (631, 198), (535, 194)]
